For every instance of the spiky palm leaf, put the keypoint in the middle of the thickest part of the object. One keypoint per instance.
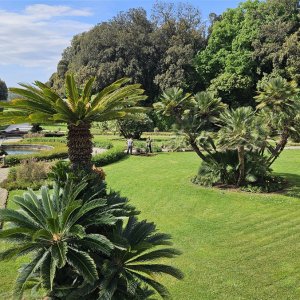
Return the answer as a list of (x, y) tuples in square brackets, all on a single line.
[(173, 102), (241, 129), (278, 95), (130, 272), (53, 229), (280, 100)]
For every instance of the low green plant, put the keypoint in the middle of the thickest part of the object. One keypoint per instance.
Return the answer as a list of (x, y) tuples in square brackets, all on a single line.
[(112, 155), (223, 168), (103, 144), (30, 173), (53, 228)]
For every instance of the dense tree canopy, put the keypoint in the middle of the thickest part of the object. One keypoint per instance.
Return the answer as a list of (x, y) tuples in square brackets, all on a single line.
[(173, 48), (3, 90), (156, 52), (245, 43)]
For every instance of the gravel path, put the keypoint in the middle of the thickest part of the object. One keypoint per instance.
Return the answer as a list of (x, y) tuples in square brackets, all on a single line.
[(3, 192)]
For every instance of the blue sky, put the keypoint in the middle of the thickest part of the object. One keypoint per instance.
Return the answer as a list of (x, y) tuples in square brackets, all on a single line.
[(34, 33)]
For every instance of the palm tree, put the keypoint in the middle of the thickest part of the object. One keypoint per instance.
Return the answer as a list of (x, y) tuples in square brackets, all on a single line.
[(192, 114), (41, 104), (239, 130), (130, 270), (53, 228), (280, 99)]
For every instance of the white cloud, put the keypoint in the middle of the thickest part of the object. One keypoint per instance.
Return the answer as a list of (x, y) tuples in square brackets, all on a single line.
[(37, 36)]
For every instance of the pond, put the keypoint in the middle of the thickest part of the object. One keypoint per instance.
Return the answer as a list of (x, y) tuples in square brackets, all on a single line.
[(16, 149), (20, 151)]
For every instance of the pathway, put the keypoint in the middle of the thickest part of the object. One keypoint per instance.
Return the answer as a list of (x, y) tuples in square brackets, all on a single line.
[(3, 192)]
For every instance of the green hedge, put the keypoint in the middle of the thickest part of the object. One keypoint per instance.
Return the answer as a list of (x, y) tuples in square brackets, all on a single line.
[(112, 155), (60, 151)]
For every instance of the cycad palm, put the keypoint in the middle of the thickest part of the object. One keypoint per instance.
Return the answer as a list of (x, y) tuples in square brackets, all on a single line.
[(173, 102), (193, 114), (239, 130), (130, 270), (41, 104), (53, 229), (280, 99)]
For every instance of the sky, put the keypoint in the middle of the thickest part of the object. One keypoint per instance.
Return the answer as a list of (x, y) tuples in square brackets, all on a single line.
[(34, 33)]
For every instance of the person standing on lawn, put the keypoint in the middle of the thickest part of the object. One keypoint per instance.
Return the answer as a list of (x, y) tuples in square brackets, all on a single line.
[(149, 144), (129, 146)]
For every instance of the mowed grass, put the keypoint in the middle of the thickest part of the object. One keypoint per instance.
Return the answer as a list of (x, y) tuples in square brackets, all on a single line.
[(235, 245)]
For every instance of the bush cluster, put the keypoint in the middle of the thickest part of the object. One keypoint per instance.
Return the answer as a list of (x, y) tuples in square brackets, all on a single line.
[(224, 168), (30, 173), (112, 155)]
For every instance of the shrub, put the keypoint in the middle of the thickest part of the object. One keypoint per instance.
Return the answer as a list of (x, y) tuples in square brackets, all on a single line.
[(44, 139), (103, 144), (31, 135), (142, 148), (135, 127), (223, 168), (30, 173), (112, 155)]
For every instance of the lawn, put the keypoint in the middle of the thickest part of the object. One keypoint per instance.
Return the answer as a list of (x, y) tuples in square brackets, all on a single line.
[(235, 245)]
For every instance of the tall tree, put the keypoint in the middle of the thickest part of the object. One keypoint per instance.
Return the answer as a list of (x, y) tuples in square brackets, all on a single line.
[(3, 90), (179, 34), (247, 42), (279, 20), (157, 52)]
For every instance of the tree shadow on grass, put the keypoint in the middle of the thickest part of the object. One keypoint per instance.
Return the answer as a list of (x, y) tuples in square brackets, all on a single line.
[(293, 188)]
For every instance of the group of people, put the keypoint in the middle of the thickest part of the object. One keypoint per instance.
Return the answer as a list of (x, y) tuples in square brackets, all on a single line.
[(148, 145)]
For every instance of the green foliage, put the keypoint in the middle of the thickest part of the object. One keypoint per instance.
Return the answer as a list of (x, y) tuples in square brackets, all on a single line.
[(41, 104), (156, 52), (103, 144), (245, 43), (3, 90), (226, 63), (53, 228), (223, 169), (30, 173), (133, 264), (241, 127), (135, 126), (110, 156)]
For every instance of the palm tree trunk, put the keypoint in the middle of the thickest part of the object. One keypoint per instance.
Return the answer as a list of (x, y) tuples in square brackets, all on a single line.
[(280, 146), (198, 151), (80, 146), (241, 156)]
